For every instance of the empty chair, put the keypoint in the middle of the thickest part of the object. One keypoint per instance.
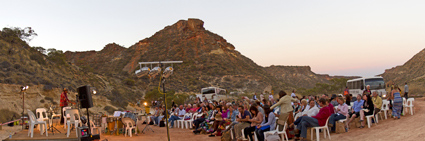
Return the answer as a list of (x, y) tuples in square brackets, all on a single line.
[(325, 129), (409, 104), (33, 121), (129, 126), (65, 116), (385, 108), (41, 115), (73, 114)]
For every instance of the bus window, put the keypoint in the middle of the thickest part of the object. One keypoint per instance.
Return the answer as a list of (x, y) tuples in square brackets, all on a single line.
[(208, 91), (375, 83)]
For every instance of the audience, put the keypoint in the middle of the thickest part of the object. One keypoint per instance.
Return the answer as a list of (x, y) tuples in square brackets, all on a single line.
[(268, 123), (377, 102), (257, 119), (318, 120), (367, 109), (355, 112), (341, 113), (180, 115), (243, 121)]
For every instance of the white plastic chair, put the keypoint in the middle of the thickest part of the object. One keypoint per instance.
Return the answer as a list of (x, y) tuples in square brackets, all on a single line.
[(189, 122), (281, 133), (181, 121), (41, 114), (129, 126), (385, 108), (33, 121), (65, 116), (72, 120), (93, 127), (404, 104), (409, 104), (321, 127), (369, 119)]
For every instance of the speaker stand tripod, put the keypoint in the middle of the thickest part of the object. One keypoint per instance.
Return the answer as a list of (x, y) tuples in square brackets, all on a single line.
[(147, 127), (51, 125)]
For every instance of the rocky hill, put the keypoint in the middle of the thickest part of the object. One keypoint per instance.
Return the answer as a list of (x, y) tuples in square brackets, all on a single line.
[(209, 60), (410, 72)]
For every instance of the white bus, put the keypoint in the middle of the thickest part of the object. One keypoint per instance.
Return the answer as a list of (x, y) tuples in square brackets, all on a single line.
[(212, 93), (357, 86)]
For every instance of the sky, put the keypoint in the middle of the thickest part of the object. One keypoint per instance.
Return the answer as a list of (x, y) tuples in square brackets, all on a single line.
[(355, 38)]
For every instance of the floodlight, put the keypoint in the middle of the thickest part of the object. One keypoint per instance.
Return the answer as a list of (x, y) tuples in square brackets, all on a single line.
[(146, 104), (154, 72), (168, 71), (142, 72), (94, 92)]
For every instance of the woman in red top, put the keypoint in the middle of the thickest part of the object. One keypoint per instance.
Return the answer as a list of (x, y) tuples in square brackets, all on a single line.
[(314, 121), (63, 101)]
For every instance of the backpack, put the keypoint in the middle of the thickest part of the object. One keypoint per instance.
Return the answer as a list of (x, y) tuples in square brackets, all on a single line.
[(161, 124), (225, 136)]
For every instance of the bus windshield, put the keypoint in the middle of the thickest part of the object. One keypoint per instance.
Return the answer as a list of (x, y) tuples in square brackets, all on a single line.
[(208, 91), (375, 83)]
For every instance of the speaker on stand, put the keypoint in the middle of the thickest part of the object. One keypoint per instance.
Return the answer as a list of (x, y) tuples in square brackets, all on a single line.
[(85, 98)]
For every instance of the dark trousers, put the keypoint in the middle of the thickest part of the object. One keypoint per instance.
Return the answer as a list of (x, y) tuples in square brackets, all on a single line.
[(197, 122), (296, 122), (248, 131), (260, 133), (406, 95), (62, 120), (335, 117)]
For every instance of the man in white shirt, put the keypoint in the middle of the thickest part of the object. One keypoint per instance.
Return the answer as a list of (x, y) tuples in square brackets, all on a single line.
[(270, 97), (307, 112), (180, 116), (261, 97)]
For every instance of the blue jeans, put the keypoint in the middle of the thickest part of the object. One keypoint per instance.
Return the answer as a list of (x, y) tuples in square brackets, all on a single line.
[(305, 123), (172, 119), (159, 118), (260, 133), (296, 122), (335, 117)]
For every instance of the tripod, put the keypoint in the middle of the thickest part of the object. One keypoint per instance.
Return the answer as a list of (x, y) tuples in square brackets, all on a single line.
[(51, 121), (147, 127)]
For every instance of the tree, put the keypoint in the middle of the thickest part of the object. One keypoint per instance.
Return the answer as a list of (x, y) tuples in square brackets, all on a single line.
[(15, 34), (40, 49), (56, 56)]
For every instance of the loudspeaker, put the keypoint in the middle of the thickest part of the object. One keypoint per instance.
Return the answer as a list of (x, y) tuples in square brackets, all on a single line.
[(84, 95)]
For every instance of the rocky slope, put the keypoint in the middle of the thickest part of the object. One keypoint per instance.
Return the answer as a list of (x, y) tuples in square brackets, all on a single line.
[(410, 72)]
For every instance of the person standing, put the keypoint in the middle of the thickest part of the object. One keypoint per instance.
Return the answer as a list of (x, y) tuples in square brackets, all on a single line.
[(261, 97), (63, 102), (367, 91), (397, 102), (346, 91), (270, 97), (254, 97), (285, 108), (406, 91)]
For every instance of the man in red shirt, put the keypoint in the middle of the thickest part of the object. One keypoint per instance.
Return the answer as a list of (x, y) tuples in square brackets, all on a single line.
[(63, 101), (314, 121)]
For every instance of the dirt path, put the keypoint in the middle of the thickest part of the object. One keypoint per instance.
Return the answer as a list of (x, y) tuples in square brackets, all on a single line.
[(408, 128)]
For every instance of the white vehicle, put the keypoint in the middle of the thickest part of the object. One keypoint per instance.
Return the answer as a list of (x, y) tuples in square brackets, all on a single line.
[(212, 93), (357, 86)]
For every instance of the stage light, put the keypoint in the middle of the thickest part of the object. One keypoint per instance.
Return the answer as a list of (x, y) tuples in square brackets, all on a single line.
[(167, 72), (142, 72), (94, 92), (154, 72), (145, 103)]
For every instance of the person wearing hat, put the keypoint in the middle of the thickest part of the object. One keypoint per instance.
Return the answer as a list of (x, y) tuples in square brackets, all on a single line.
[(63, 101)]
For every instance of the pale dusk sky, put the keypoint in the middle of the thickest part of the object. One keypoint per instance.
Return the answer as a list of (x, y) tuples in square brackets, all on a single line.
[(360, 38)]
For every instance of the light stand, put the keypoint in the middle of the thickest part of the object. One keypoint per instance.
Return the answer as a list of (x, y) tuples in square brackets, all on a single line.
[(164, 74), (23, 91)]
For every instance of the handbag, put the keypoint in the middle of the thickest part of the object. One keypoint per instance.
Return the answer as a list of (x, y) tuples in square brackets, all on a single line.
[(265, 127)]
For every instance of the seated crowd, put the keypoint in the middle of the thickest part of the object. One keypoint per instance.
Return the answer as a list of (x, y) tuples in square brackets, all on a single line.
[(255, 117)]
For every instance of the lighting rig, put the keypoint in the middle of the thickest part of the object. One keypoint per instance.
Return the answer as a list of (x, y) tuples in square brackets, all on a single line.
[(23, 91), (152, 73)]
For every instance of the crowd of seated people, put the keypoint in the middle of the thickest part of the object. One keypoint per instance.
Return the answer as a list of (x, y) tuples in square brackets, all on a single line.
[(257, 117)]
